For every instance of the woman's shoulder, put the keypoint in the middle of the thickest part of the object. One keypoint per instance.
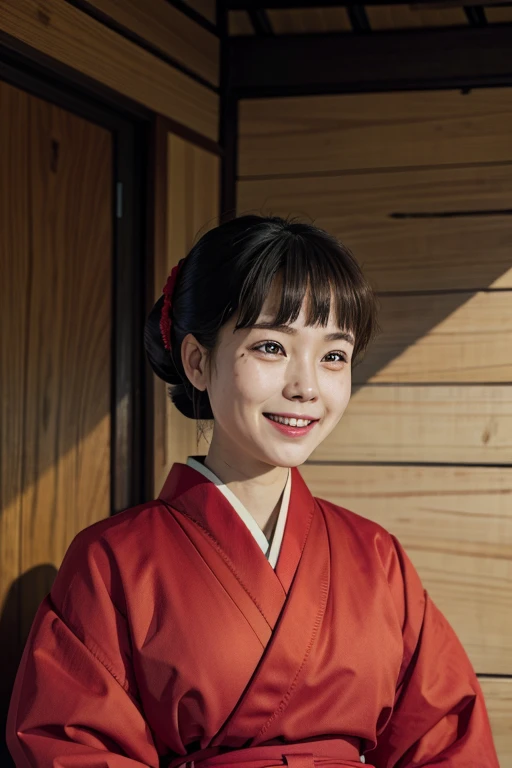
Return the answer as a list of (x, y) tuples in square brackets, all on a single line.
[(364, 536), (122, 526), (357, 523), (107, 546)]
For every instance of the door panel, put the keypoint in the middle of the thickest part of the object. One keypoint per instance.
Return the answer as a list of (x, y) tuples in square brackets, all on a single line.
[(56, 259)]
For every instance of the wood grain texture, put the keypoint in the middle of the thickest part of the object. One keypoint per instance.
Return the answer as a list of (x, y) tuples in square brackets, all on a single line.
[(14, 331), (417, 185), (498, 697), (437, 252), (454, 337), (442, 424), (297, 20), (193, 199), (207, 8), (170, 31), (67, 435), (499, 15), (323, 134), (408, 16), (64, 33), (192, 208), (456, 525)]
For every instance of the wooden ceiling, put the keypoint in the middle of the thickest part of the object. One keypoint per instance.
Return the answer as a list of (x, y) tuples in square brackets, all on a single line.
[(289, 17)]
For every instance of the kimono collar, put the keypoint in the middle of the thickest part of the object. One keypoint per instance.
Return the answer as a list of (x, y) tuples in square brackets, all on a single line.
[(269, 548), (191, 493)]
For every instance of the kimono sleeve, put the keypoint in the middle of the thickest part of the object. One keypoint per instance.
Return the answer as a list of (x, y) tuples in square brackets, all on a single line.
[(439, 716), (74, 702)]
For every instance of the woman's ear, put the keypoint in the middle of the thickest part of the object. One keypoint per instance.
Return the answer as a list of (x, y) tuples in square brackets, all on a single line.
[(193, 358)]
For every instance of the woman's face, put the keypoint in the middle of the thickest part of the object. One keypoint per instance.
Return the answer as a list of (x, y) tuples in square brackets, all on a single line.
[(261, 371)]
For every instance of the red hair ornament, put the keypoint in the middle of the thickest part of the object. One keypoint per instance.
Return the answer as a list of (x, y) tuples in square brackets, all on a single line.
[(165, 317)]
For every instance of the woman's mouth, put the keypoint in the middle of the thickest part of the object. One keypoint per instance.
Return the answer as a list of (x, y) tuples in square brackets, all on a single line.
[(290, 427)]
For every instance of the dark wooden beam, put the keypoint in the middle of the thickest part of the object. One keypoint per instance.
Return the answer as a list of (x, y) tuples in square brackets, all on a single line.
[(343, 62), (358, 18), (260, 22), (189, 11), (476, 15), (248, 5)]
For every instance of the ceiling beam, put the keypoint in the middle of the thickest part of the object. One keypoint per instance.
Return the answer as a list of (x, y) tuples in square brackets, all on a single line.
[(260, 22), (358, 18), (250, 5), (344, 62), (476, 15)]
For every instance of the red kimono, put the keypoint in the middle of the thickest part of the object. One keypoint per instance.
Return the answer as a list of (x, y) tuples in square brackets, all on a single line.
[(168, 638)]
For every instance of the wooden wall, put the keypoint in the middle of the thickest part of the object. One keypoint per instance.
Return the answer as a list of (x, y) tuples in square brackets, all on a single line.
[(418, 186), (206, 8), (56, 259), (150, 52), (56, 312), (167, 61), (188, 192)]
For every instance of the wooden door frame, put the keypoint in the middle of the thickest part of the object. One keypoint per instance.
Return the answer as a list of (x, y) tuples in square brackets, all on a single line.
[(132, 285)]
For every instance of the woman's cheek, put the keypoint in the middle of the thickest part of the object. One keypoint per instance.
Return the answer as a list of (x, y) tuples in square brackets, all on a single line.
[(260, 379), (337, 396)]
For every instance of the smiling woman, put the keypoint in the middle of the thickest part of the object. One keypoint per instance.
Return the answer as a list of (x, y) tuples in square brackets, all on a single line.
[(230, 274), (237, 620), (242, 281)]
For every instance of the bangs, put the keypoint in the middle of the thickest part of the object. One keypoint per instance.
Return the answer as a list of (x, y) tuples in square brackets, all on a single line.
[(317, 265)]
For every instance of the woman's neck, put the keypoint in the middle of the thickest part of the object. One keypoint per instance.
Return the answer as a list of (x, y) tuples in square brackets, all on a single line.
[(260, 495)]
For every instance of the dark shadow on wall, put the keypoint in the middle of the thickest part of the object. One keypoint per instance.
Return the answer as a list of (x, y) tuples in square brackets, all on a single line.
[(12, 638)]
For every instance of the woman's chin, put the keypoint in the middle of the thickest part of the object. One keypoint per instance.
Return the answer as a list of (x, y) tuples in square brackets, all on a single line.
[(289, 455)]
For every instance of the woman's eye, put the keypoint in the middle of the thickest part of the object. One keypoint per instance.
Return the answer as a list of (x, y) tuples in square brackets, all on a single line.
[(341, 355), (274, 344), (268, 344)]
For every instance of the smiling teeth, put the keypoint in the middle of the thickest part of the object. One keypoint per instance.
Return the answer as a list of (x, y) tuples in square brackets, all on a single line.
[(290, 422)]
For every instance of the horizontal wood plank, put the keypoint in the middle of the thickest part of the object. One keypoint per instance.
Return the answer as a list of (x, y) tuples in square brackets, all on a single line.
[(297, 20), (456, 525), (410, 16), (457, 337), (73, 38), (442, 424), (498, 699), (169, 30), (499, 15), (465, 57), (414, 229), (248, 5), (312, 134)]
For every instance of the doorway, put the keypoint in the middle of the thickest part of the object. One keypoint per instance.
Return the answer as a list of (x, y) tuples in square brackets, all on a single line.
[(72, 307)]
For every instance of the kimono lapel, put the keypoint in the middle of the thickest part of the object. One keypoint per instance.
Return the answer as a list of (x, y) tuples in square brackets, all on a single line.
[(196, 497), (292, 598), (277, 677)]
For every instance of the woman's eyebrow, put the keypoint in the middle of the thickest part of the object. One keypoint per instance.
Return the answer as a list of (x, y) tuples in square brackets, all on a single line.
[(337, 336)]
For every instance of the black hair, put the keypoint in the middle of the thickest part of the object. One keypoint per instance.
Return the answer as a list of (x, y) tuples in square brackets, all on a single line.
[(231, 269)]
